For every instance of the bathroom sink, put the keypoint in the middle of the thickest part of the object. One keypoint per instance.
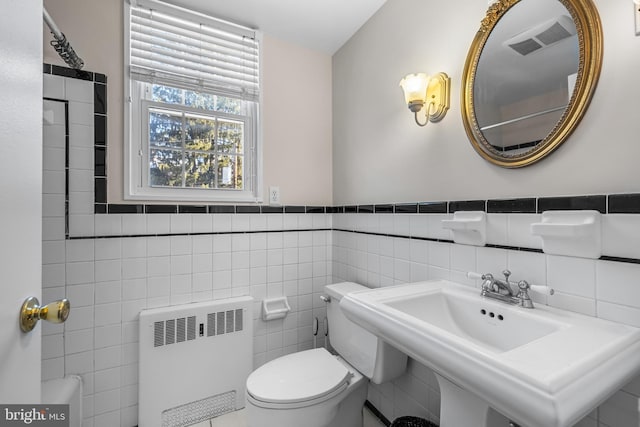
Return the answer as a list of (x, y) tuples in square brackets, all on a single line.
[(540, 367)]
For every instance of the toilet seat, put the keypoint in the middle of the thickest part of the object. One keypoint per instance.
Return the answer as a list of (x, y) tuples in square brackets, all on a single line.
[(299, 379)]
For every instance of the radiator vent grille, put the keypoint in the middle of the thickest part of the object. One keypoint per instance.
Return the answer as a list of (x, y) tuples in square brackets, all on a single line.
[(200, 410), (183, 329)]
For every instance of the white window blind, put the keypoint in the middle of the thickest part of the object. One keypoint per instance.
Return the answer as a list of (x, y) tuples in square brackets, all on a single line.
[(174, 46)]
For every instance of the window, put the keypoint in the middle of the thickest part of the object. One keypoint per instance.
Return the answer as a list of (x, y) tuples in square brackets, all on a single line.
[(193, 91)]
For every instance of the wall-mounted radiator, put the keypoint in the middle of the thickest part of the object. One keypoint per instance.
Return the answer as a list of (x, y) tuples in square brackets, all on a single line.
[(194, 361)]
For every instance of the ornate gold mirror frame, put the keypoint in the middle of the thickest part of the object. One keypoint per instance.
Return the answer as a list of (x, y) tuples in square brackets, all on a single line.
[(589, 33)]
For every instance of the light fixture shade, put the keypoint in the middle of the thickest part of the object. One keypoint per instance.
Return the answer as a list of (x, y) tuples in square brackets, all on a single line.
[(415, 90)]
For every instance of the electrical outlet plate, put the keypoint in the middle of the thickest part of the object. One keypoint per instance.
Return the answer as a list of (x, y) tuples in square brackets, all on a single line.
[(274, 196)]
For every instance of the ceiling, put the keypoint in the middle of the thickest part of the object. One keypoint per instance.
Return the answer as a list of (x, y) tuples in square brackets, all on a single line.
[(322, 25)]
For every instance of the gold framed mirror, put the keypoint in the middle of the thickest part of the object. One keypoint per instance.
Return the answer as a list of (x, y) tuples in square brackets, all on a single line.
[(529, 76)]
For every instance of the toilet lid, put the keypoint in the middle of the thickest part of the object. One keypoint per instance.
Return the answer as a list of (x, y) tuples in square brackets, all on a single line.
[(297, 377)]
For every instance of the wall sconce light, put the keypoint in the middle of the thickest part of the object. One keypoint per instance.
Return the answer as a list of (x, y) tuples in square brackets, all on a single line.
[(420, 89)]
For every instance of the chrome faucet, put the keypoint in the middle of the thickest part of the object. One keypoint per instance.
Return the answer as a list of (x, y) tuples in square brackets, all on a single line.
[(502, 290)]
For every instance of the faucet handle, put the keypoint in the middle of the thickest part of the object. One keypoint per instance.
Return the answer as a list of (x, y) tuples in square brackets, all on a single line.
[(506, 273), (478, 276), (542, 289)]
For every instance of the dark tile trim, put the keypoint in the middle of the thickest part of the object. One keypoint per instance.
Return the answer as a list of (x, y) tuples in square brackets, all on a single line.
[(432, 207), (212, 233), (365, 209), (221, 209), (253, 209), (512, 206), (294, 209), (467, 205), (192, 209), (406, 208), (597, 203), (124, 209), (379, 415), (350, 209), (335, 209), (383, 208), (624, 203), (315, 209), (160, 209), (272, 209)]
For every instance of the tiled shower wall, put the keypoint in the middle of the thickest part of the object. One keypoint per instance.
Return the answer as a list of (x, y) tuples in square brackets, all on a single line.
[(111, 266), (392, 248)]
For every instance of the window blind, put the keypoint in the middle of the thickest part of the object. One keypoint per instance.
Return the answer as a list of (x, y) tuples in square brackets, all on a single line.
[(173, 46)]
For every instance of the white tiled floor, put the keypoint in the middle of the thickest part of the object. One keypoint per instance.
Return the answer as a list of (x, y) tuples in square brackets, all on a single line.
[(237, 419)]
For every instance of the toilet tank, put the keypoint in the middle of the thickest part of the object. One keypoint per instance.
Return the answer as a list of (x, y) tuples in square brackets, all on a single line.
[(367, 353)]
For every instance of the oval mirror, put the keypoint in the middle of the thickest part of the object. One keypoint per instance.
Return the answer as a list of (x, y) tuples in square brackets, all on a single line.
[(529, 76)]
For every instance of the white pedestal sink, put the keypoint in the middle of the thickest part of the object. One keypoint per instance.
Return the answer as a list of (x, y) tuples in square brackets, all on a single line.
[(540, 367)]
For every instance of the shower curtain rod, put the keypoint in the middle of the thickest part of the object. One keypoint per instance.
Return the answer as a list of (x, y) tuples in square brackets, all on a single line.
[(61, 44)]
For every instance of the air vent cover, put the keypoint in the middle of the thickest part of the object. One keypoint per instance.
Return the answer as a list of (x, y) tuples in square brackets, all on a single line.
[(542, 35)]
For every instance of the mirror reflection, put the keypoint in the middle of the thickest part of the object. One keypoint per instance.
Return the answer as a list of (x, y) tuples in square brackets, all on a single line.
[(530, 74), (526, 75)]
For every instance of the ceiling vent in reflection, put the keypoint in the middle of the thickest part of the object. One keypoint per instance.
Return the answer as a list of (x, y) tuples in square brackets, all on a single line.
[(542, 35)]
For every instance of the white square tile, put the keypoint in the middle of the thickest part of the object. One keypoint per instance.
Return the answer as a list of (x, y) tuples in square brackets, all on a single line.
[(78, 341), (529, 266), (53, 136), (108, 336), (201, 223), (158, 223), (53, 229), (108, 314), (106, 249), (240, 222), (81, 180), (497, 229), (519, 231), (435, 226), (222, 222), (618, 282), (79, 272), (621, 235), (180, 245), (81, 225), (79, 250), (108, 270), (134, 289), (576, 276), (81, 295), (81, 158), (158, 286), (275, 222), (53, 275), (419, 225), (53, 159), (53, 87), (158, 246), (53, 182), (439, 254), (180, 223), (463, 258), (134, 224), (108, 292), (134, 268), (619, 313), (81, 136), (135, 247), (81, 113), (79, 90), (573, 303), (108, 225), (107, 401)]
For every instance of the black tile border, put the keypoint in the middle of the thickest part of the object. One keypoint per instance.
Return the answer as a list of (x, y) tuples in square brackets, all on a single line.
[(596, 203), (512, 206), (624, 203), (379, 415)]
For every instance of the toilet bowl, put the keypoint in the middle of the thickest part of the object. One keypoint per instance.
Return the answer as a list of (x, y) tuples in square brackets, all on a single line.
[(315, 388)]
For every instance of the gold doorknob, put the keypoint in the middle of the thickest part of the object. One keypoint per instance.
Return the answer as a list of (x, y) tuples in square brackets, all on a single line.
[(31, 312)]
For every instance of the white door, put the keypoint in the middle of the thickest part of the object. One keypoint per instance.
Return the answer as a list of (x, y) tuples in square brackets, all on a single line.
[(20, 195)]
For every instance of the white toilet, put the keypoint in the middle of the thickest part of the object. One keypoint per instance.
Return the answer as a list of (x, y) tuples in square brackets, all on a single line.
[(314, 388)]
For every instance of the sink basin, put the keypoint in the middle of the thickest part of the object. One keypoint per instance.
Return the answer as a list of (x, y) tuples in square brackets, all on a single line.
[(541, 368), (489, 326)]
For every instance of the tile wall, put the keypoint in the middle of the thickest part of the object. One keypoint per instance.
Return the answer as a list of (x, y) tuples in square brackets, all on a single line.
[(112, 261), (382, 249), (113, 265)]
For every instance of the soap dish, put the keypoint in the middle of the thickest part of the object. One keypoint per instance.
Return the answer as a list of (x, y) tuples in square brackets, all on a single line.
[(275, 308)]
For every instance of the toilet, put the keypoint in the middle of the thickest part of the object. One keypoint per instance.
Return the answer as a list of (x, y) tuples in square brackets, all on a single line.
[(315, 388)]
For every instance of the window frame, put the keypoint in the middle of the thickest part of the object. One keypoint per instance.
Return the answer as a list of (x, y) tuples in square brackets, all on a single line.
[(136, 144)]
